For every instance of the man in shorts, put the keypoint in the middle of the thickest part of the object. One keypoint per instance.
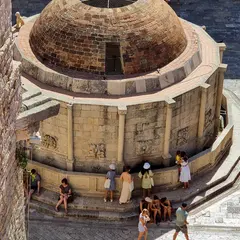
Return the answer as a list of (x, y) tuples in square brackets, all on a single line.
[(181, 221), (35, 183)]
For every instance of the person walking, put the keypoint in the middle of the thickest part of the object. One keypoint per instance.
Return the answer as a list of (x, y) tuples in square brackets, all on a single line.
[(147, 179), (126, 187), (181, 221), (142, 227), (111, 174)]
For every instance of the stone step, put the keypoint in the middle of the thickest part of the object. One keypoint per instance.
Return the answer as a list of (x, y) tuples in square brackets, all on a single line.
[(83, 213), (97, 209), (36, 114), (215, 190), (28, 95), (35, 101)]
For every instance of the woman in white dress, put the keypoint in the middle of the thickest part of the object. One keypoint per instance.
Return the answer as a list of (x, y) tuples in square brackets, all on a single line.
[(142, 224), (126, 188), (185, 175)]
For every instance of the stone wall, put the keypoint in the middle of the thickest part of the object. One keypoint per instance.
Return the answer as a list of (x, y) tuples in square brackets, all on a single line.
[(144, 133), (95, 138), (185, 120), (95, 132), (92, 184), (210, 112), (54, 140), (12, 213), (69, 41)]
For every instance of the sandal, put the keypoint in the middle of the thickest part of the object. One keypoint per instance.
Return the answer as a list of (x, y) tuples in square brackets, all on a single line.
[(56, 209)]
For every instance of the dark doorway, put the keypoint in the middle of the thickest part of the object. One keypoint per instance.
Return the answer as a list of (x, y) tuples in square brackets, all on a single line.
[(113, 63)]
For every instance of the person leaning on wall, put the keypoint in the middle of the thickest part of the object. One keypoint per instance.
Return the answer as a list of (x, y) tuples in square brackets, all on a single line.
[(146, 175)]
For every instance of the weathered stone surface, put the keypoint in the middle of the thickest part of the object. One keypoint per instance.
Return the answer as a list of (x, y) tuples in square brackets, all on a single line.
[(37, 112), (12, 213), (81, 82), (77, 40)]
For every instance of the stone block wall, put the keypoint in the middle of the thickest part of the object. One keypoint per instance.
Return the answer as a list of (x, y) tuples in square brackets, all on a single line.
[(144, 133), (54, 145), (12, 215), (58, 42), (185, 118), (95, 132), (95, 137), (210, 112), (93, 184)]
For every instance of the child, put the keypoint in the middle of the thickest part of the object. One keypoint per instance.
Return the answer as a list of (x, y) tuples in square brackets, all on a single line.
[(178, 162), (185, 175), (111, 176), (142, 228)]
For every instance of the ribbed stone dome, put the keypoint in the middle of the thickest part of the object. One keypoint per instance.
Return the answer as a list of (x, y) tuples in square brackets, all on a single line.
[(135, 38)]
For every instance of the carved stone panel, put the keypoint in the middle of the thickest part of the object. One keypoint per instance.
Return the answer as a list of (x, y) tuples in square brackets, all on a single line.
[(209, 117), (182, 136), (97, 151), (145, 131), (144, 147), (96, 169), (49, 141)]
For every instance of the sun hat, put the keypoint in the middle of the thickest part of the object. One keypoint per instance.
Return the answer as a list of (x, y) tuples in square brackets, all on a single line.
[(112, 166), (148, 199), (146, 165)]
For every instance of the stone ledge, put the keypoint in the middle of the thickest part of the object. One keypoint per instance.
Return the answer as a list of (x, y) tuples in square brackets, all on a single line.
[(37, 114), (85, 207), (174, 72)]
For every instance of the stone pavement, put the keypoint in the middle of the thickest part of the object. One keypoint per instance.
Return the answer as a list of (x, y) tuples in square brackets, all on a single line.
[(233, 85), (220, 220), (222, 20)]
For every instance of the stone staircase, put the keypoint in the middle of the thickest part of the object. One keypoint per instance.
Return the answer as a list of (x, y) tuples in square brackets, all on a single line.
[(90, 207), (202, 189), (35, 107)]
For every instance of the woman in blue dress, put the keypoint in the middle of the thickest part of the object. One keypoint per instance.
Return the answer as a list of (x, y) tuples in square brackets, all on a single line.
[(111, 174)]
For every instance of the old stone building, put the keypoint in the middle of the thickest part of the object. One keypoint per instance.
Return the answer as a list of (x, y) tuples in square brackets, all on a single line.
[(12, 214), (134, 82)]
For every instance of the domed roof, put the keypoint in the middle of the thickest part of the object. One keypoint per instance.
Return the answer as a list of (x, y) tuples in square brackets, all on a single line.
[(135, 38)]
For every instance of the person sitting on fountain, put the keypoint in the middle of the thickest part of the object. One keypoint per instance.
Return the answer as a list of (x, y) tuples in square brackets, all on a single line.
[(65, 195), (35, 183), (145, 204), (167, 208), (156, 209)]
